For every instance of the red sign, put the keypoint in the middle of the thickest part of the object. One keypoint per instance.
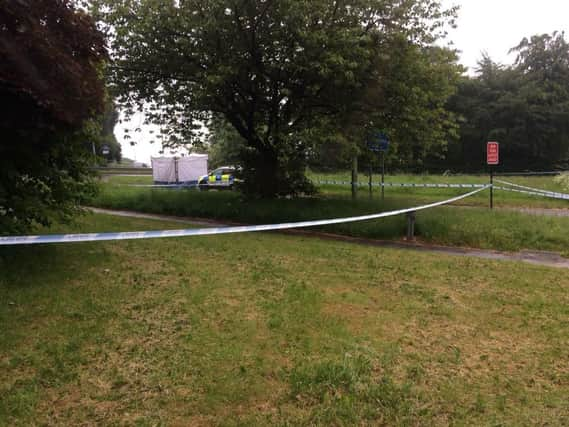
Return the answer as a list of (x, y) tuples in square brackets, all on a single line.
[(493, 153)]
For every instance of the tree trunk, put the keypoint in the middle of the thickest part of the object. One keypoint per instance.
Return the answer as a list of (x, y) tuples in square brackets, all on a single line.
[(272, 170)]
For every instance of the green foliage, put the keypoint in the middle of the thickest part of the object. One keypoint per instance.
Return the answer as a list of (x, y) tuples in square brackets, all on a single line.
[(103, 134), (224, 144), (44, 179), (525, 107), (280, 72)]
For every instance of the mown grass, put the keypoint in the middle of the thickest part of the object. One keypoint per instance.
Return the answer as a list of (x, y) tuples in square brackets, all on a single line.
[(275, 330), (127, 180), (471, 227)]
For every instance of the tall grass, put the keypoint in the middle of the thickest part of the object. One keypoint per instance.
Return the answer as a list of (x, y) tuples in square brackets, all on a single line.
[(474, 227)]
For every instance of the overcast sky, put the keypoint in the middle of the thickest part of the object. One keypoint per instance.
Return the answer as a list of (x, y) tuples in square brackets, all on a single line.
[(493, 26)]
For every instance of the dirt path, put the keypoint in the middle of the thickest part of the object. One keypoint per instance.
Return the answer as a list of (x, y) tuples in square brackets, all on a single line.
[(548, 259), (540, 211), (557, 212)]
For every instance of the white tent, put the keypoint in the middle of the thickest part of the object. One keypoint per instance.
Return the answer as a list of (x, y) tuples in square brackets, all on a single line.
[(191, 167), (179, 170)]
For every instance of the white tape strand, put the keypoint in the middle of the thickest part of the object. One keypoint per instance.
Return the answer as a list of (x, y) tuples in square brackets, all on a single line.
[(97, 237), (529, 173), (159, 185), (404, 185), (535, 191)]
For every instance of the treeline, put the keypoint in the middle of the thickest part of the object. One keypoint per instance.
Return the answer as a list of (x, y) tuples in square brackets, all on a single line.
[(525, 107)]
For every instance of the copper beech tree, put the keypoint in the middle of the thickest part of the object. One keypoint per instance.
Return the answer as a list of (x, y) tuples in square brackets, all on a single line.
[(51, 58)]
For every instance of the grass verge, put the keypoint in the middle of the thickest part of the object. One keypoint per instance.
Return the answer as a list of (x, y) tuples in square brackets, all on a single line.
[(473, 227)]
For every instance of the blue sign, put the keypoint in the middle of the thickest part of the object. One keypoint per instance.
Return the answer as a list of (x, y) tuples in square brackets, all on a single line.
[(378, 141)]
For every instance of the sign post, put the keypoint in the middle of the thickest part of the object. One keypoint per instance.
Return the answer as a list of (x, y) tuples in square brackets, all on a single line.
[(379, 143), (383, 174), (492, 159), (370, 179)]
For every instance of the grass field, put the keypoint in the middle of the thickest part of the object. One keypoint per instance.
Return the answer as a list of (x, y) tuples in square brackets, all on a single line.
[(502, 198), (268, 329), (474, 226)]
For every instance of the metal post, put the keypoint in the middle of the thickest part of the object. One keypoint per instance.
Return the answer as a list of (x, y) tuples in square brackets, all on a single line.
[(176, 169), (370, 179), (354, 176), (491, 187), (411, 226), (382, 175)]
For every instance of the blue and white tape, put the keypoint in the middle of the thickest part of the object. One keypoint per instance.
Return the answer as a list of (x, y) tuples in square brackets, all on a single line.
[(419, 185), (531, 190), (529, 173), (533, 193), (159, 185), (97, 237), (403, 185)]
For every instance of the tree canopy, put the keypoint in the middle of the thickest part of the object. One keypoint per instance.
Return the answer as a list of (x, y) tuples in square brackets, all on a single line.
[(525, 107), (275, 70), (51, 57)]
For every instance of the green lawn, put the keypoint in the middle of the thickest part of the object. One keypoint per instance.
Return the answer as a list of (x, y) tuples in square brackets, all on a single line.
[(268, 329), (127, 180), (474, 226)]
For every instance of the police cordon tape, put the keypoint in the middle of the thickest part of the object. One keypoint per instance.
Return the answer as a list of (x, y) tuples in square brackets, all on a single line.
[(95, 237), (360, 184), (404, 185), (529, 190), (529, 173), (160, 185), (534, 193), (532, 190)]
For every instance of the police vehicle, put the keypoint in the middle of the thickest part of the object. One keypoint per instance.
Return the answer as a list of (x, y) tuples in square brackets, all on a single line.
[(222, 178)]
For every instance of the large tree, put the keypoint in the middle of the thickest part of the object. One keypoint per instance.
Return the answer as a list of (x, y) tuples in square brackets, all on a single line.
[(51, 57), (275, 70)]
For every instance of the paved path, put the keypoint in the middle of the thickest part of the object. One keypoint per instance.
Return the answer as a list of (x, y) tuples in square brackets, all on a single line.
[(549, 259)]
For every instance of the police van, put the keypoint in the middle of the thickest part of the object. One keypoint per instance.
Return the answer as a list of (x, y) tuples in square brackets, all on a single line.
[(222, 178)]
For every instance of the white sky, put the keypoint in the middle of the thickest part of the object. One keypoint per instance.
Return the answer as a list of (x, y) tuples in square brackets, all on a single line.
[(493, 26), (496, 26)]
